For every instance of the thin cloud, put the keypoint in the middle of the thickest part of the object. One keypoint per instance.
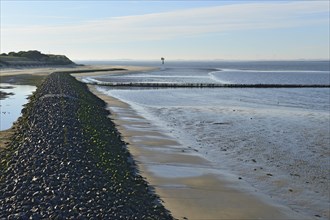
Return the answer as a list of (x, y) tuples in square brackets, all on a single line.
[(177, 24)]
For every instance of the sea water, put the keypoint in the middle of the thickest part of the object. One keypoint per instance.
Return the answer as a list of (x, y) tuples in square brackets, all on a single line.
[(298, 73), (275, 139), (12, 105)]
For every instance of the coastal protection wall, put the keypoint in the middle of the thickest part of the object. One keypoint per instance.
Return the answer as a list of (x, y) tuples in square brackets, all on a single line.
[(66, 160)]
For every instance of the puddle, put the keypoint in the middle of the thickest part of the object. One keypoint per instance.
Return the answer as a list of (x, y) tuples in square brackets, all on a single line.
[(12, 106)]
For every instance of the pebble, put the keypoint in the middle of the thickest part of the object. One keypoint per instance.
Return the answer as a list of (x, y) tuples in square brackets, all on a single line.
[(52, 170)]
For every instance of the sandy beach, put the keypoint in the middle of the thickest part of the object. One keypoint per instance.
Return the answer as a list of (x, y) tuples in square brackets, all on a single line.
[(34, 76), (61, 163), (12, 72), (190, 186), (165, 110)]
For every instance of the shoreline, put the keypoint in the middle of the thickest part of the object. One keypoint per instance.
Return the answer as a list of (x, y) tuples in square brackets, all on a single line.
[(48, 154), (90, 68), (188, 184), (155, 162), (35, 76)]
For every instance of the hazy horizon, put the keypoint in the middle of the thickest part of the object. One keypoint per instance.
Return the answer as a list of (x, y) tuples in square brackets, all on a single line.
[(176, 30), (201, 60)]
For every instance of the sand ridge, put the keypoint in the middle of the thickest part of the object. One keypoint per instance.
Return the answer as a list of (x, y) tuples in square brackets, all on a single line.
[(44, 71)]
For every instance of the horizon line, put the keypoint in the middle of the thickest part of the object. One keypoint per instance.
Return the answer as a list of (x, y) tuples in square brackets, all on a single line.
[(201, 60)]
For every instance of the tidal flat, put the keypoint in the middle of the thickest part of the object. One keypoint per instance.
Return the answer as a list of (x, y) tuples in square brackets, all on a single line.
[(276, 140), (60, 139)]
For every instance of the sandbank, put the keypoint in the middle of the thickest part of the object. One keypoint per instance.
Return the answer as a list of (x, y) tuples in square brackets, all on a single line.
[(34, 76), (189, 185), (27, 75), (128, 69)]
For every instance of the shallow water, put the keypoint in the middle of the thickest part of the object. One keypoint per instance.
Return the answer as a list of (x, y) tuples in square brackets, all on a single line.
[(277, 140), (215, 73), (228, 76), (280, 147), (272, 77), (12, 106)]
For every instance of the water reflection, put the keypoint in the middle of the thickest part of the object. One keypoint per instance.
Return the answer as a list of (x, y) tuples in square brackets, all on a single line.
[(12, 105)]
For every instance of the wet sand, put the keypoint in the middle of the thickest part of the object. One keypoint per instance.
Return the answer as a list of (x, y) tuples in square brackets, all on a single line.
[(5, 137), (190, 186), (46, 71), (128, 69), (34, 76)]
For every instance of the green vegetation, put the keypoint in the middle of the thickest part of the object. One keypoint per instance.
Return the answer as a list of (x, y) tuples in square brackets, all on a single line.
[(4, 95), (23, 79), (32, 58), (65, 139)]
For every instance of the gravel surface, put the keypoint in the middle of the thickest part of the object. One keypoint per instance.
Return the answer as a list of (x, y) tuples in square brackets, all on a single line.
[(66, 160)]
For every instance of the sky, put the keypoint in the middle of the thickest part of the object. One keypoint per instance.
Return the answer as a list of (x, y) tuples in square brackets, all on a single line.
[(185, 30)]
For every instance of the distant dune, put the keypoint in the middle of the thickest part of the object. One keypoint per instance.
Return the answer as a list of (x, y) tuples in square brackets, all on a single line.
[(32, 58)]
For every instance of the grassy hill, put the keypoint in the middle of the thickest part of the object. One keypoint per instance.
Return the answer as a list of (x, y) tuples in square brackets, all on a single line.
[(32, 58)]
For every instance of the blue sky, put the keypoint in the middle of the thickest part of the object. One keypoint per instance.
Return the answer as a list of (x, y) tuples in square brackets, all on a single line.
[(190, 30)]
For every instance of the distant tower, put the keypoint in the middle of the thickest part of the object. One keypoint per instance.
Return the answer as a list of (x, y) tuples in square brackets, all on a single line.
[(162, 59)]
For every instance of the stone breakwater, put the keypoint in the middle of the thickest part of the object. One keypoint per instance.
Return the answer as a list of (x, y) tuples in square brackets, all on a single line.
[(204, 85), (66, 160)]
